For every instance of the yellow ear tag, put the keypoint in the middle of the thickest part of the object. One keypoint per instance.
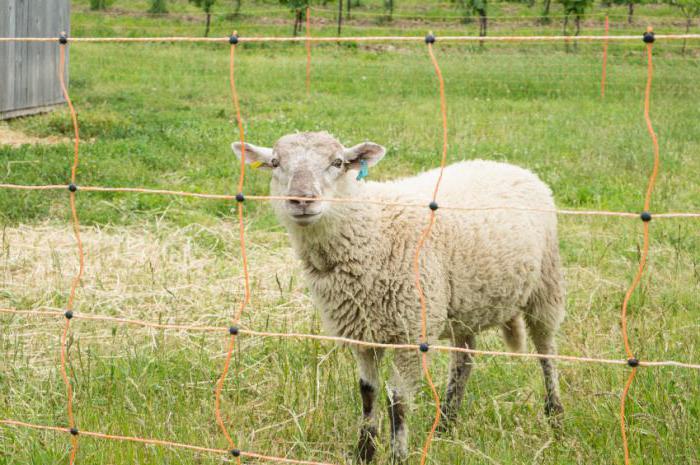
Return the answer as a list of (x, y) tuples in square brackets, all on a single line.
[(256, 164)]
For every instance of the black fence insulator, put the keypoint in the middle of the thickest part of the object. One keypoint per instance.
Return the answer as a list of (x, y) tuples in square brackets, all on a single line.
[(430, 38), (63, 38), (240, 197), (68, 314), (72, 187), (233, 40), (235, 452), (648, 37), (424, 347), (74, 431), (633, 362), (233, 330), (433, 205), (645, 216)]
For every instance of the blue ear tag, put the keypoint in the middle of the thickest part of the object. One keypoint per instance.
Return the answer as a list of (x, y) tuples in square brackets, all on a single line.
[(364, 171)]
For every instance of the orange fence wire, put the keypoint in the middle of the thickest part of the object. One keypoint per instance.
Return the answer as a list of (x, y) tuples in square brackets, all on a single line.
[(79, 244), (233, 331), (205, 196), (649, 38), (246, 298), (430, 39), (582, 38), (160, 442), (342, 340)]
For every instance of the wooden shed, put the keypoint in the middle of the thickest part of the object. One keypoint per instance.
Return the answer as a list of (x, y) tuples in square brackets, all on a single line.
[(28, 82)]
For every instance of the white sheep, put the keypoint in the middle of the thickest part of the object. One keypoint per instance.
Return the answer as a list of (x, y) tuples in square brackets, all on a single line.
[(479, 268)]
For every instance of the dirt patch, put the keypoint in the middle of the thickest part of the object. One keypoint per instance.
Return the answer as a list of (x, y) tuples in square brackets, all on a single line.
[(15, 138)]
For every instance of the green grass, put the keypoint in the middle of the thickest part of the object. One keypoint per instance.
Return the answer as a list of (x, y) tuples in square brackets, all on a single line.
[(160, 116)]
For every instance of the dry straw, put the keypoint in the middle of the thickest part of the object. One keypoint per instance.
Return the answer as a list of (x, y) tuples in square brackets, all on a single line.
[(233, 331)]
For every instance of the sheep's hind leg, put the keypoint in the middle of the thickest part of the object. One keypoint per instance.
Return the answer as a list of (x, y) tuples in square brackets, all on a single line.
[(368, 364), (404, 381), (460, 369), (543, 315), (542, 336)]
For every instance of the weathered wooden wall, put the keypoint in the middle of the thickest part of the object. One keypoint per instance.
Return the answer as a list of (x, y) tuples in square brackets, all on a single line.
[(28, 82)]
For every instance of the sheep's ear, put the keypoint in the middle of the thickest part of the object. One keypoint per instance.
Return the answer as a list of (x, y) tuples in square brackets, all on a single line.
[(367, 151), (254, 155)]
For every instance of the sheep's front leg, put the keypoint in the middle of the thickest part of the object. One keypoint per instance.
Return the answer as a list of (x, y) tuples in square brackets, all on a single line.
[(368, 364), (404, 381), (460, 368)]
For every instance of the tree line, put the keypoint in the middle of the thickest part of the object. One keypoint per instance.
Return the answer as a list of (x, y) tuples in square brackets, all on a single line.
[(468, 10)]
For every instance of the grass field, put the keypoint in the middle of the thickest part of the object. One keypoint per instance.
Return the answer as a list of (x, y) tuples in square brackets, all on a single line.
[(160, 116)]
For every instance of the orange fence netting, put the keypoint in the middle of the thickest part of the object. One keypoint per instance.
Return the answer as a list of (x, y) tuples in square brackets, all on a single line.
[(234, 331)]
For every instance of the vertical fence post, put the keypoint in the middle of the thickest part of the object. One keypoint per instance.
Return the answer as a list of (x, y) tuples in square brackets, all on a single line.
[(605, 58), (308, 50), (340, 15)]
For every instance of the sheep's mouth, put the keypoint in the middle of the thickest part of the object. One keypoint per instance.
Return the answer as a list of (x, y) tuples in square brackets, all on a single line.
[(305, 218)]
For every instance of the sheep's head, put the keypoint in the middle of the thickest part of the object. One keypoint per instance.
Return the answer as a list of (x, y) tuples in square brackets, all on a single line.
[(308, 166)]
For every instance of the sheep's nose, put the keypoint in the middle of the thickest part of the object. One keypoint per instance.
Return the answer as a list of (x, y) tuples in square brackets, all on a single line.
[(301, 203), (303, 199)]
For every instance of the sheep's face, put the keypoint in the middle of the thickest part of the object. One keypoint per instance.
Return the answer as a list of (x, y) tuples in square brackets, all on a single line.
[(309, 166)]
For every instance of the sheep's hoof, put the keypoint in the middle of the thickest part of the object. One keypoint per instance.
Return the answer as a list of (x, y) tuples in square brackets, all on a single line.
[(443, 427), (366, 447), (555, 414), (446, 423), (553, 409)]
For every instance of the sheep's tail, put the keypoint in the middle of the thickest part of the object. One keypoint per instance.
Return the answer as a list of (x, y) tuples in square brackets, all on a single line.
[(514, 334)]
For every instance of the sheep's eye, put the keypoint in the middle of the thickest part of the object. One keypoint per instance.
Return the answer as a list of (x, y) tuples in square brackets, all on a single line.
[(274, 163), (337, 163)]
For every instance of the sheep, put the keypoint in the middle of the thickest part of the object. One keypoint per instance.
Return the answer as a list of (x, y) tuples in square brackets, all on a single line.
[(479, 268)]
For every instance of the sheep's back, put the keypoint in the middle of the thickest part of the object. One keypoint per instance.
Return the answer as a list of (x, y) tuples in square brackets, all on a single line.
[(471, 184), (491, 255)]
